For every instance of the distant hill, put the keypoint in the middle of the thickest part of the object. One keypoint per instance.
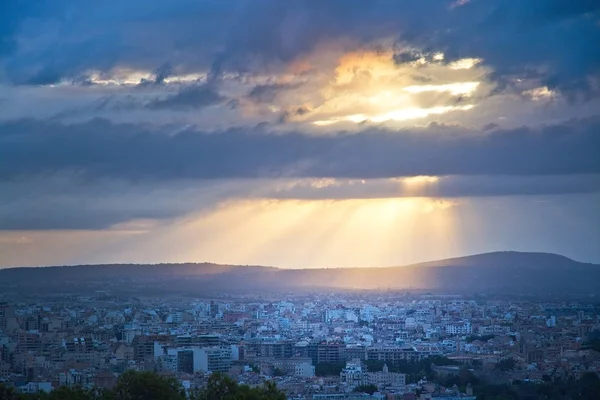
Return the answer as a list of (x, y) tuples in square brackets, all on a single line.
[(510, 259), (498, 272)]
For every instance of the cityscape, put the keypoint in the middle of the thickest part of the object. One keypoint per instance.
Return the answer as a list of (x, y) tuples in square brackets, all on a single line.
[(319, 344), (299, 200)]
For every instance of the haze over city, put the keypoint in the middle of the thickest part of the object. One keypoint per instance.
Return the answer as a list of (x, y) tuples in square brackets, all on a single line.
[(297, 133)]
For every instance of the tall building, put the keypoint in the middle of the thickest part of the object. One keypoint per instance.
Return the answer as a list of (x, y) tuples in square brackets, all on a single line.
[(28, 341), (143, 346), (185, 361), (277, 349), (330, 352), (355, 353), (212, 359), (8, 319), (198, 340), (214, 309)]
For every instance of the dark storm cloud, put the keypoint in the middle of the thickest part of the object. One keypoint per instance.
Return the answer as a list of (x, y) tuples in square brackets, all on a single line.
[(158, 75), (102, 149), (14, 12), (37, 216), (66, 202), (551, 41), (188, 98), (267, 93), (66, 38)]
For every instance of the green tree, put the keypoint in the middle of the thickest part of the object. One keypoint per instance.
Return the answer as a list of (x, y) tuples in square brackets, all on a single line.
[(589, 386), (592, 344), (483, 338), (60, 393), (146, 386), (151, 386), (508, 364), (329, 369), (369, 389), (221, 387), (68, 393), (8, 393)]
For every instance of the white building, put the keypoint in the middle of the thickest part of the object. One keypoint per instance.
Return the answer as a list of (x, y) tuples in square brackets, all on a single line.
[(36, 387), (459, 329), (385, 378), (353, 373), (304, 370), (212, 359), (410, 324), (169, 362)]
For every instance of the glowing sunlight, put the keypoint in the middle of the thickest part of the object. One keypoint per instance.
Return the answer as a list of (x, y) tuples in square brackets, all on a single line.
[(319, 233)]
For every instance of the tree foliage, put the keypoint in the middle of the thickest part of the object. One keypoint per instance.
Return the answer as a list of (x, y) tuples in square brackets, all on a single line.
[(222, 387), (592, 344), (150, 386), (329, 369), (483, 338), (507, 364), (369, 389), (147, 385), (586, 388), (414, 370)]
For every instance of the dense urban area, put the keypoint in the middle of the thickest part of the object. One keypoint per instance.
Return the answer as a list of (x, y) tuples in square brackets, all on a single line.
[(335, 346)]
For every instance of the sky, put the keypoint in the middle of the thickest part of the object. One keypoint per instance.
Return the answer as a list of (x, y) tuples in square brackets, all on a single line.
[(297, 133)]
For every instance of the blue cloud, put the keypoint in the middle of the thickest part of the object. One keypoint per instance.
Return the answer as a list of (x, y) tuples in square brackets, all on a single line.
[(551, 41), (100, 148)]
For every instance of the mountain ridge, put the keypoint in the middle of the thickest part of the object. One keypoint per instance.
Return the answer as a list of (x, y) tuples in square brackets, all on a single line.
[(433, 263), (495, 272), (506, 255)]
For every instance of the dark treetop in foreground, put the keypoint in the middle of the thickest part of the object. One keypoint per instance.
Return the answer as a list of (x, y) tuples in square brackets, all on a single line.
[(150, 386)]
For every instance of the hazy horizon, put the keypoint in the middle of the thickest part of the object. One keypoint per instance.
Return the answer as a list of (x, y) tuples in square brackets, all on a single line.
[(418, 263)]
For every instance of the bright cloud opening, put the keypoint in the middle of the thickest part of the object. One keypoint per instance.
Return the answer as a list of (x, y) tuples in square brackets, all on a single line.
[(394, 115), (459, 88)]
